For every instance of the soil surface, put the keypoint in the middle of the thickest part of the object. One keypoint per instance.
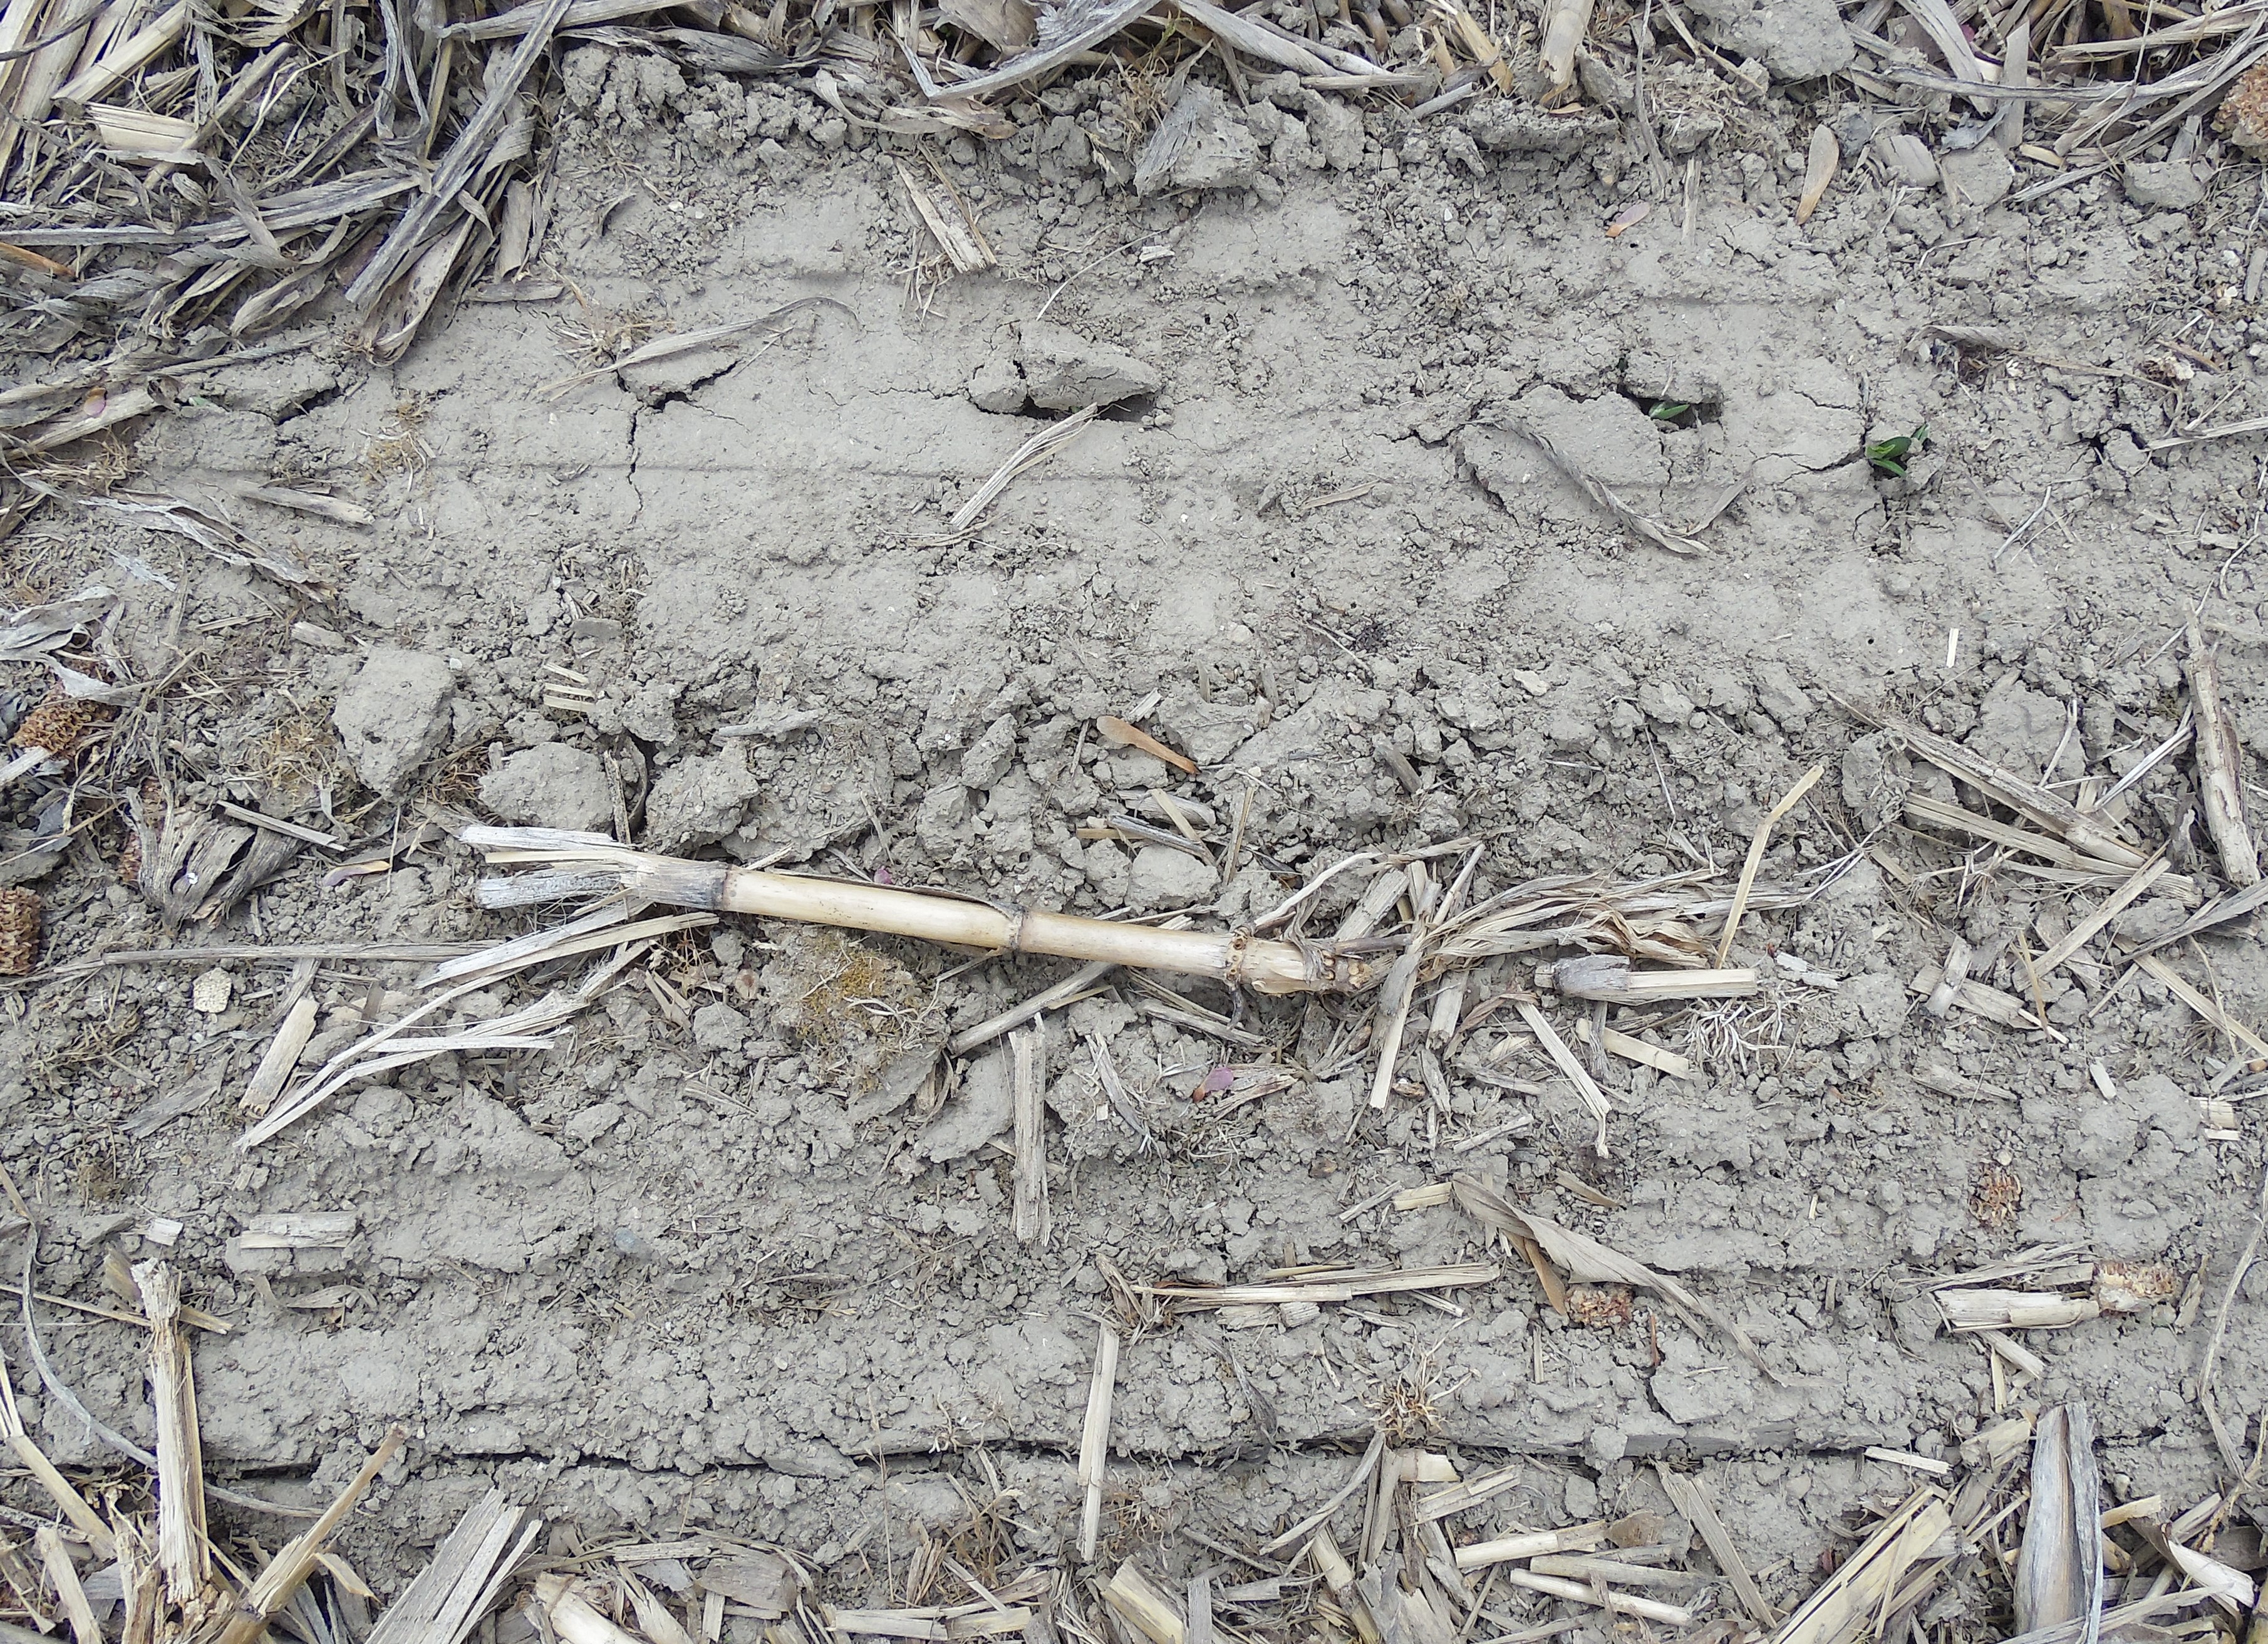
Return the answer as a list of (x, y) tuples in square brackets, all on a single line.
[(719, 1259)]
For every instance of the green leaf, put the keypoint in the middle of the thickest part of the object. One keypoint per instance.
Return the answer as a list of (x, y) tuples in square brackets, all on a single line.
[(1669, 411)]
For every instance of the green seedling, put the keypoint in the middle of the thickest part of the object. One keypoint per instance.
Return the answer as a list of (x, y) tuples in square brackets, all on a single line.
[(1891, 456), (1669, 411)]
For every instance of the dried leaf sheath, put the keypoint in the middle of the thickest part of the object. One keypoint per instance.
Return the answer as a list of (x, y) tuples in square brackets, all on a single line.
[(600, 864)]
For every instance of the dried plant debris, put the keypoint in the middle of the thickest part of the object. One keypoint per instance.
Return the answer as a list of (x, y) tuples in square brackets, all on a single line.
[(852, 1009)]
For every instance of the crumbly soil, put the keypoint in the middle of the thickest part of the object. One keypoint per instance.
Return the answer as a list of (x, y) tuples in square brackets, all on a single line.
[(674, 1274)]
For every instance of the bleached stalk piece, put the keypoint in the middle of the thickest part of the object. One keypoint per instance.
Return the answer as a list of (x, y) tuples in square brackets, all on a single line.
[(181, 1547), (1094, 1439), (2221, 767), (289, 1568), (1028, 1050), (1268, 967)]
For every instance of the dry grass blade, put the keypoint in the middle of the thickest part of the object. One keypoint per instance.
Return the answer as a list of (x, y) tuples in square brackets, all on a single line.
[(2047, 809), (1589, 1262), (1577, 1074), (1031, 1179), (1576, 14), (1690, 1497), (1025, 457), (1328, 1283), (1755, 856)]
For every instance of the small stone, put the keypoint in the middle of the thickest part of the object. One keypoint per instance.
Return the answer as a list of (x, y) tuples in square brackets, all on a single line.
[(699, 801), (998, 387), (1064, 370), (211, 992), (1780, 696), (719, 1028), (393, 715), (552, 785), (2164, 186), (1664, 704), (1980, 177), (593, 1122), (1163, 877), (1795, 39), (985, 1106)]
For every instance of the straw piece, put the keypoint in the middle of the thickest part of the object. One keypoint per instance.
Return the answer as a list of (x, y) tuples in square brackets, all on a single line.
[(1329, 1284), (2158, 968), (281, 1056), (2108, 909), (1565, 24), (182, 1546), (2048, 810), (1315, 1520), (1589, 1262), (1609, 977), (1120, 733), (63, 1576), (1604, 1597), (1839, 1611), (1138, 1602), (1268, 967), (1983, 1308), (1031, 1180), (1094, 1439), (1755, 856), (1690, 1497), (1820, 162), (1578, 1075), (572, 1616), (288, 1569), (1617, 1043), (1575, 1539)]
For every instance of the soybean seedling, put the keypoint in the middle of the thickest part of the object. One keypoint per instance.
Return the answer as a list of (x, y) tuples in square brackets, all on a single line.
[(1891, 456)]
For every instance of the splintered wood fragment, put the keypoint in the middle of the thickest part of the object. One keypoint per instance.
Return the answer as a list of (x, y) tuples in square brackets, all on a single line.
[(273, 1588), (1940, 1002), (182, 1546), (1329, 1284), (1818, 171), (1391, 1018), (1592, 1593), (2058, 1574), (299, 1230), (1582, 1567), (1119, 733), (1137, 1601), (1094, 1439), (2221, 767), (1477, 41), (600, 864), (1504, 1549), (1031, 1136), (1755, 856), (63, 1575), (1578, 1075), (1840, 1608), (281, 1058)]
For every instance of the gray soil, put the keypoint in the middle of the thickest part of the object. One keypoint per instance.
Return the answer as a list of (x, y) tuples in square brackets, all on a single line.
[(694, 1268)]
